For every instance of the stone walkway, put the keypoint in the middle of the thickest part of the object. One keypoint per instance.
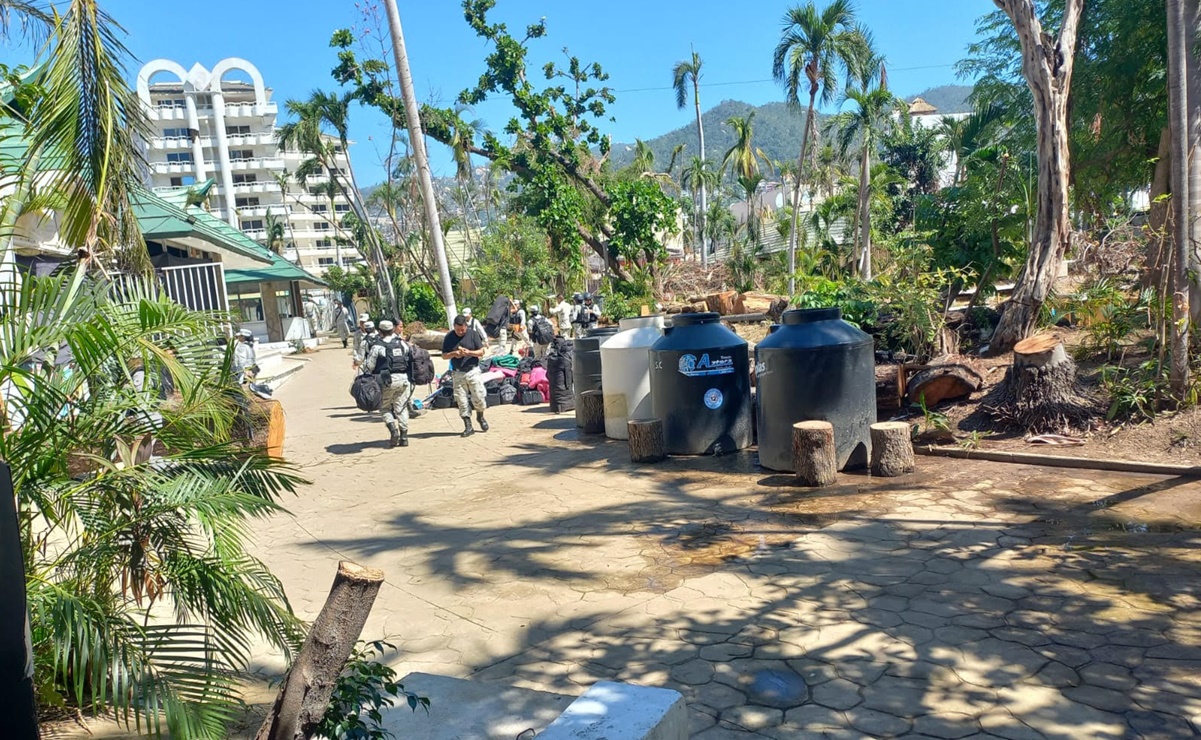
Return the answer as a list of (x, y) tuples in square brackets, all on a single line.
[(968, 600)]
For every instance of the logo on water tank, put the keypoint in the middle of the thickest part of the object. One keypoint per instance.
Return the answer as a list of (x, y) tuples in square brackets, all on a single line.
[(693, 367), (713, 398)]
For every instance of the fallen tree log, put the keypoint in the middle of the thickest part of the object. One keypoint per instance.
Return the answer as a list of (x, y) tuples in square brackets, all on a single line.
[(943, 380), (310, 681), (752, 302), (722, 303), (429, 341), (745, 318)]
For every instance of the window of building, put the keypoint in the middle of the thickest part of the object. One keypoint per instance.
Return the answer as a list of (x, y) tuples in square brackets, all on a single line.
[(320, 208), (313, 190), (236, 154), (243, 179), (342, 207), (252, 224), (325, 261), (173, 103), (324, 243), (321, 226), (246, 202), (175, 133), (237, 130), (179, 157), (179, 182)]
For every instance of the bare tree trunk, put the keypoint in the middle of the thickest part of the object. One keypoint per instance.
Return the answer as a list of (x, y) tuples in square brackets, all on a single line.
[(417, 141), (1192, 17), (796, 195), (1047, 66), (306, 689), (700, 132), (1178, 119), (865, 214)]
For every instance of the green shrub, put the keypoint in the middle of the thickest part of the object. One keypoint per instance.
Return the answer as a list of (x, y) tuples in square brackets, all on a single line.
[(419, 302), (365, 688)]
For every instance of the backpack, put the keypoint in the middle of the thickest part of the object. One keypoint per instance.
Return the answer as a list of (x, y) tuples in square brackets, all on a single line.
[(498, 315), (367, 393), (541, 331), (421, 366)]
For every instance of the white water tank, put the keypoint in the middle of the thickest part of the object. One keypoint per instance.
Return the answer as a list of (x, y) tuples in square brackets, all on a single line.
[(625, 373)]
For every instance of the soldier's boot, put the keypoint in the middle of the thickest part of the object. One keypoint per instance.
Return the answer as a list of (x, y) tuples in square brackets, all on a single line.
[(404, 437), (480, 418), (467, 430), (396, 438)]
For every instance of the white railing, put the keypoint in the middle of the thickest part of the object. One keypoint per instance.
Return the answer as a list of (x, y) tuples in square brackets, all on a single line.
[(198, 287)]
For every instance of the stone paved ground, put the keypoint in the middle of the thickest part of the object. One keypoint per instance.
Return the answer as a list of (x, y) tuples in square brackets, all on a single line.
[(968, 600)]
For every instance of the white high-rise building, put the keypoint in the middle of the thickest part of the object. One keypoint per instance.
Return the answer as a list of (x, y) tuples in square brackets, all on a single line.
[(221, 124)]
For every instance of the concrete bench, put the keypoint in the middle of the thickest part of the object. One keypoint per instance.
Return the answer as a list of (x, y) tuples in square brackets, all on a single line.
[(609, 710)]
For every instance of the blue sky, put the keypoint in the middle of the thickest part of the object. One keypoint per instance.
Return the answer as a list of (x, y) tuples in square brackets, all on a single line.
[(636, 42)]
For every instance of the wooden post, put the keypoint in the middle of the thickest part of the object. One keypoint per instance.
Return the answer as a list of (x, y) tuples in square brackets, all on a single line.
[(646, 440), (813, 454), (306, 690), (592, 412), (892, 449)]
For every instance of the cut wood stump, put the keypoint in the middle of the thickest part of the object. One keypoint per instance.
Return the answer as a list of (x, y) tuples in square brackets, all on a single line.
[(892, 449), (814, 456), (646, 440), (306, 689), (1039, 393), (591, 413)]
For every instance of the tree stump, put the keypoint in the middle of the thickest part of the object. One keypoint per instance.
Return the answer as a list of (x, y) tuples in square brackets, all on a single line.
[(306, 689), (646, 440), (814, 457), (892, 449), (1039, 392), (943, 381), (591, 412)]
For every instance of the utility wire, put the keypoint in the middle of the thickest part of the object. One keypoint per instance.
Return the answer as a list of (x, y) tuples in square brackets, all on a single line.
[(769, 79)]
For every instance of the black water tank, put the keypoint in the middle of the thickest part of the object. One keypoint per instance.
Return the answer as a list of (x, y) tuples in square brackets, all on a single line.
[(815, 367), (586, 364), (701, 386)]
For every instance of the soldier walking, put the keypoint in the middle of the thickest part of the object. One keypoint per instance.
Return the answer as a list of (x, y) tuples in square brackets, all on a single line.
[(389, 358)]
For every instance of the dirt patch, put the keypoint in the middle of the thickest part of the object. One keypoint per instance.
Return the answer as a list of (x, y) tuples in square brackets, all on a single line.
[(1170, 438)]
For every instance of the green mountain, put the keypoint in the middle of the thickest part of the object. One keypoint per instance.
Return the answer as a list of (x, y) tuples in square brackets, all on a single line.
[(777, 128)]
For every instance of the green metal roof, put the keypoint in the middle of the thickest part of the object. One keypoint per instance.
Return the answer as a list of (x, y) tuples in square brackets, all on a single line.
[(280, 270), (161, 219)]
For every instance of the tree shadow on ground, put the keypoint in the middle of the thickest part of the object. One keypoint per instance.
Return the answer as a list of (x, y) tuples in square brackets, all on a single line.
[(971, 597), (353, 448)]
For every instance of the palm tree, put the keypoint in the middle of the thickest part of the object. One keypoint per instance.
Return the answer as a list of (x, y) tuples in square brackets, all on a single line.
[(750, 185), (82, 128), (111, 537), (864, 124), (644, 158), (462, 138), (743, 157), (276, 238), (697, 177), (684, 73), (814, 46)]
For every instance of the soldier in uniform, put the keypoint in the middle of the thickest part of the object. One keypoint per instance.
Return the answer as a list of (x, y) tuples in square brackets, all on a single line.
[(389, 358)]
